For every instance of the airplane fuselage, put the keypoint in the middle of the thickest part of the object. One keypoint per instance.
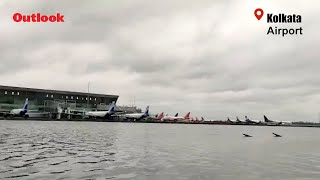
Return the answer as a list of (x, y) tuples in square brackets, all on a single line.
[(97, 113), (273, 123), (252, 121), (173, 118), (135, 116), (18, 112)]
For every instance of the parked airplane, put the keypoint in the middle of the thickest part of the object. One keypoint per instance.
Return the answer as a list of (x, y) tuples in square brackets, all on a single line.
[(176, 118), (270, 122), (102, 114), (252, 121), (20, 112), (138, 116), (166, 117)]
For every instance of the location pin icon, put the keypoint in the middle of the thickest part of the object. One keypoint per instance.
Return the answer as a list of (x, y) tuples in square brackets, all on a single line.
[(258, 13)]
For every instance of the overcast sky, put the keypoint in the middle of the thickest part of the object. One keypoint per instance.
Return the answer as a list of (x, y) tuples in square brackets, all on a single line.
[(210, 57)]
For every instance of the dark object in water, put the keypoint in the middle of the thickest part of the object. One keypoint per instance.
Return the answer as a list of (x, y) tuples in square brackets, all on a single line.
[(276, 135), (247, 135)]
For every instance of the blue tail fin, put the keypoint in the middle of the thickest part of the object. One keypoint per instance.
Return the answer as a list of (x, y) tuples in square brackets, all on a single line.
[(146, 113), (25, 106), (112, 107)]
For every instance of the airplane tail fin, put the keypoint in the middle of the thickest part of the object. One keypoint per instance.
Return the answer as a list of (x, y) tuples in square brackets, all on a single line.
[(112, 107), (176, 115), (202, 119), (197, 119), (187, 116), (160, 116), (266, 119), (238, 120), (246, 117), (146, 112), (25, 106)]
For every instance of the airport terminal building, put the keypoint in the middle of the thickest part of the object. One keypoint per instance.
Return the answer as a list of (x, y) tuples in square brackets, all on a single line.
[(47, 100)]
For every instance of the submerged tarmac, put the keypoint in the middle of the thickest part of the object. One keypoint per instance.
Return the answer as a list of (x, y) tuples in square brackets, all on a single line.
[(104, 150)]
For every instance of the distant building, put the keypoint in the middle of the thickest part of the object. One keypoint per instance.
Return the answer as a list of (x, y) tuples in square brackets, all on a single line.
[(44, 99)]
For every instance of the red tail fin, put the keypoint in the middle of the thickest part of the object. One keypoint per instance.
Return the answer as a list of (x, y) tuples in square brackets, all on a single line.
[(187, 116), (160, 116)]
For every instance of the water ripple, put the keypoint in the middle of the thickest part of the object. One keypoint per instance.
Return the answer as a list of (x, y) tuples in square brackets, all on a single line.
[(54, 164), (89, 150), (59, 172), (10, 157), (17, 176)]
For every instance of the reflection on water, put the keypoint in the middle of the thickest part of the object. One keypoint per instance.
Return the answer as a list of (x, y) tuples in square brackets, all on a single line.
[(97, 150)]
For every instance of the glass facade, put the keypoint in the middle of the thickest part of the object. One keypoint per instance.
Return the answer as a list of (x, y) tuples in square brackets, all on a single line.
[(12, 97)]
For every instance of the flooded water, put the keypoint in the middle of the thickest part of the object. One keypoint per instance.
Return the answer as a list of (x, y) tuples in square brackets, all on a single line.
[(98, 150)]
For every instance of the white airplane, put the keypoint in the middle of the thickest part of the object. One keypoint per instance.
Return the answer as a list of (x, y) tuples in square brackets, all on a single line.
[(252, 121), (168, 117), (138, 116), (20, 112), (176, 118), (102, 114), (270, 122), (274, 123)]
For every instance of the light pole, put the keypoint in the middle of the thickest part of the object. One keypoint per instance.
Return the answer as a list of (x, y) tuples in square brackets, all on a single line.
[(88, 95)]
